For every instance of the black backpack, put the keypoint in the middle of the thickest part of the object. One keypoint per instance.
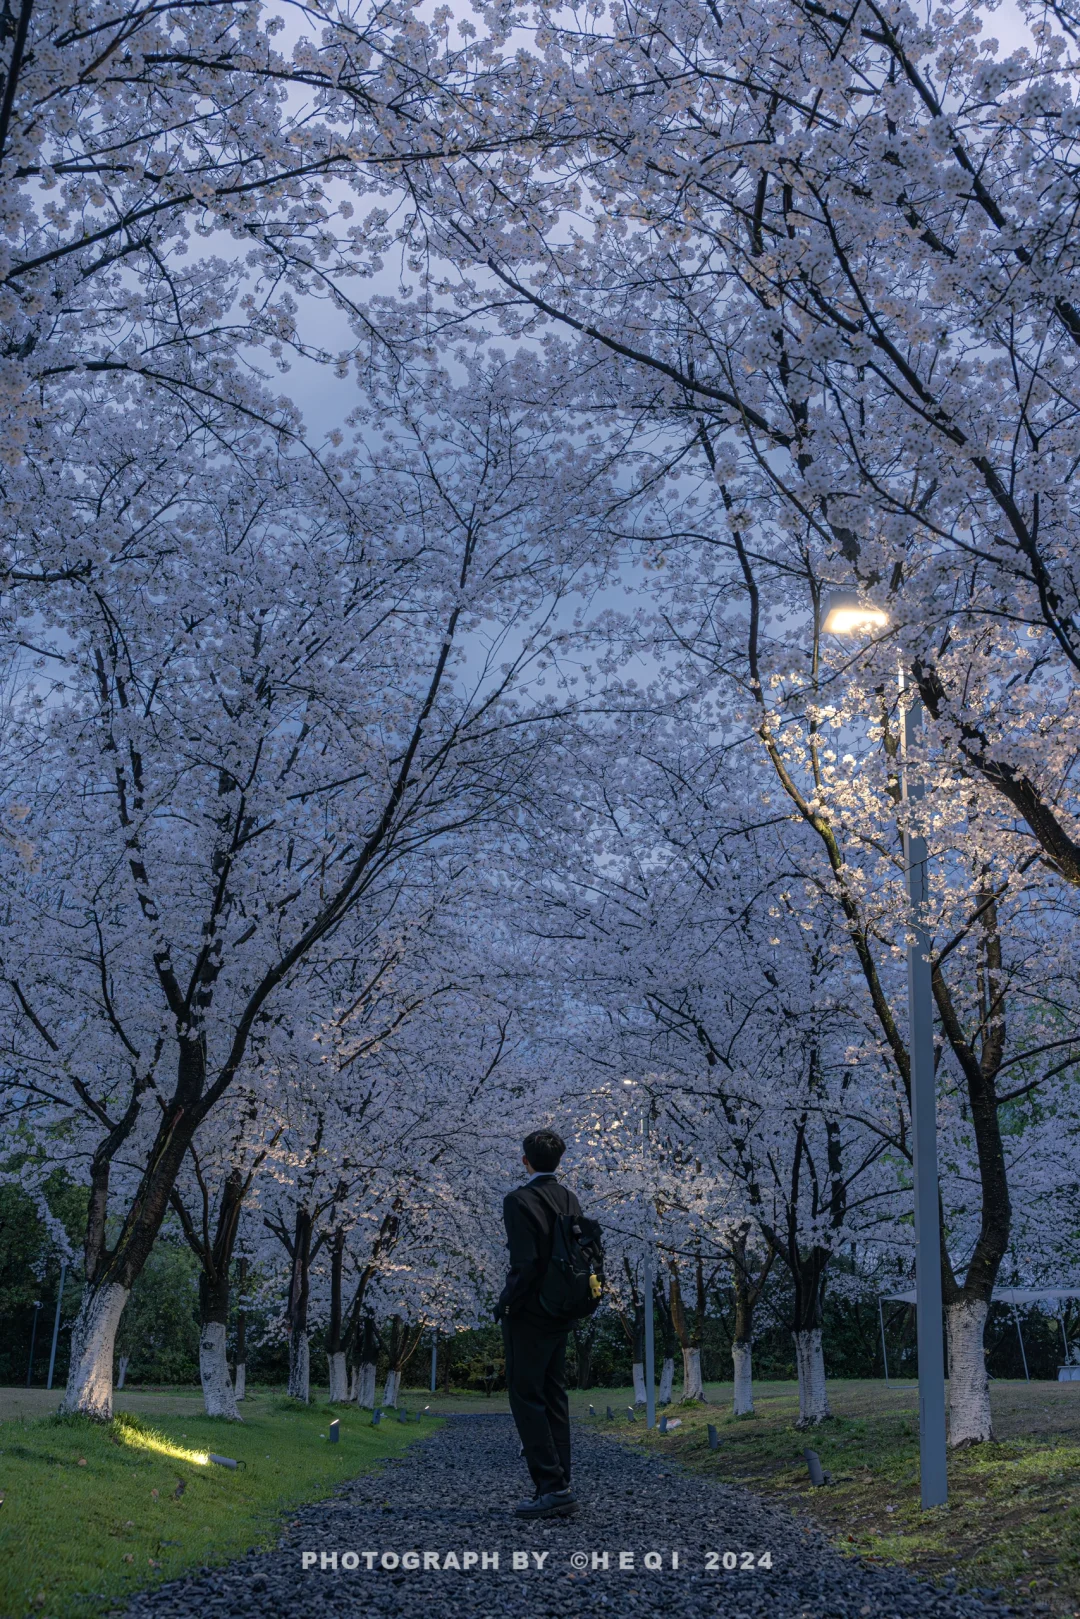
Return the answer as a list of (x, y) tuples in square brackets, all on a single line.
[(573, 1283)]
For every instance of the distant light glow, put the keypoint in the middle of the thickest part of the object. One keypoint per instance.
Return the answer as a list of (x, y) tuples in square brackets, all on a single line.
[(844, 613), (842, 620)]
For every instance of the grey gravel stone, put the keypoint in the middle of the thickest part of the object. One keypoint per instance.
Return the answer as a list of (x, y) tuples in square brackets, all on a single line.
[(453, 1493)]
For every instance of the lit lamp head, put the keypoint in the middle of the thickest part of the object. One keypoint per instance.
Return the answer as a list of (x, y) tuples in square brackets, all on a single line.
[(843, 612)]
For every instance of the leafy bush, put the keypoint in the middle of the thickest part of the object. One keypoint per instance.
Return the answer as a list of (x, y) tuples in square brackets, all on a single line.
[(159, 1329)]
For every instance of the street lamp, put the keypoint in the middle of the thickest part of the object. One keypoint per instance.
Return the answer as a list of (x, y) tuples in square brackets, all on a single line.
[(33, 1337), (845, 613), (647, 1288), (56, 1323)]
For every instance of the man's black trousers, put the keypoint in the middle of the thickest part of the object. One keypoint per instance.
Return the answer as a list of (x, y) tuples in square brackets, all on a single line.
[(536, 1382)]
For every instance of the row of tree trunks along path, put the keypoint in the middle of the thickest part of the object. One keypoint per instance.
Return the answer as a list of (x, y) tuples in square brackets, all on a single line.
[(450, 1497)]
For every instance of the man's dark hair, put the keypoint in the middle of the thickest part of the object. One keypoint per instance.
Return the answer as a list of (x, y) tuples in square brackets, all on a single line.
[(543, 1149)]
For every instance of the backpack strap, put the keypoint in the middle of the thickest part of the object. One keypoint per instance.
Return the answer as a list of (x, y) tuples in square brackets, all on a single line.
[(560, 1204)]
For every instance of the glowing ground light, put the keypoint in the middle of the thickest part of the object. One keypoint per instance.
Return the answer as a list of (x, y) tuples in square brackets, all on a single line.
[(164, 1447)]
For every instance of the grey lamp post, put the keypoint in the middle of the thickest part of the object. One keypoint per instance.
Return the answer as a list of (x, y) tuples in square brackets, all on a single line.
[(844, 614), (650, 1352), (56, 1323), (647, 1288), (33, 1338)]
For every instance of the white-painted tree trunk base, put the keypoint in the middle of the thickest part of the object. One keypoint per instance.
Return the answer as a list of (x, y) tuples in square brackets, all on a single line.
[(339, 1378), (218, 1396), (124, 1359), (742, 1359), (299, 1367), (240, 1380), (969, 1387), (810, 1364), (667, 1382), (692, 1386), (93, 1341), (365, 1385), (640, 1397), (390, 1392)]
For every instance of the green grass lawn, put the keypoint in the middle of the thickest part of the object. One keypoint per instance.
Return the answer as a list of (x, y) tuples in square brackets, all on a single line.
[(67, 1531), (1013, 1517), (92, 1512)]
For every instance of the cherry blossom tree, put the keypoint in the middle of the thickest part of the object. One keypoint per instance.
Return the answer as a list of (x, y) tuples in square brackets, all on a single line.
[(830, 251), (224, 756), (208, 1200), (174, 192), (399, 1089)]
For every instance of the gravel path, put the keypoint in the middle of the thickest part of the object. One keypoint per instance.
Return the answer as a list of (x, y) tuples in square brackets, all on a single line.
[(449, 1496)]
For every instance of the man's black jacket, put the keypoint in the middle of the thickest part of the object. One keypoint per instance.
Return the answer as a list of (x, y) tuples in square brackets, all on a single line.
[(529, 1214)]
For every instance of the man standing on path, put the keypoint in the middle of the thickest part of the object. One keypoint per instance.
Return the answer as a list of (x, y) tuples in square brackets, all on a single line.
[(534, 1341)]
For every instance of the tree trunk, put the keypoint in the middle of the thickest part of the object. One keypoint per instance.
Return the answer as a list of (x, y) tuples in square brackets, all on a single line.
[(966, 1308), (111, 1274), (93, 1341), (637, 1350), (810, 1363), (393, 1371), (218, 1394), (744, 1381), (747, 1290), (299, 1293), (335, 1348), (365, 1371), (215, 1267), (584, 1338), (969, 1387), (692, 1386), (240, 1385), (299, 1365), (669, 1340), (365, 1385), (339, 1378), (808, 1277), (741, 1355), (402, 1350), (689, 1342)]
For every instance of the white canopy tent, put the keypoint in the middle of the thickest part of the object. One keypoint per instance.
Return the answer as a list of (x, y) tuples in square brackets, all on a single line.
[(1001, 1295)]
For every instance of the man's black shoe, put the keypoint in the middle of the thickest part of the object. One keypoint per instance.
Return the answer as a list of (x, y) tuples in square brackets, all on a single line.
[(555, 1504)]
